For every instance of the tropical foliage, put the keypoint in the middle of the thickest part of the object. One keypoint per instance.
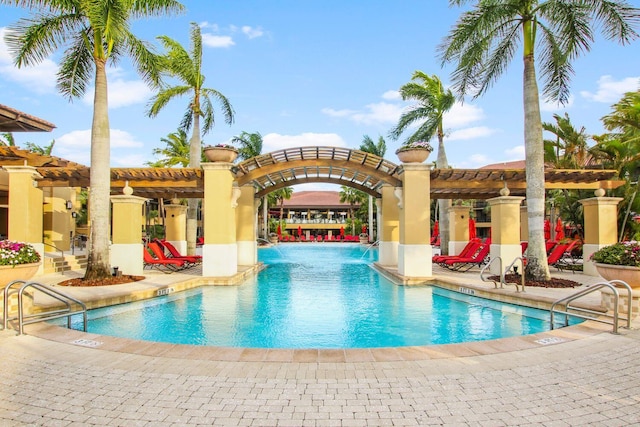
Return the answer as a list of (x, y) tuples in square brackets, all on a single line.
[(7, 140), (553, 33), (250, 144), (175, 152), (92, 34), (369, 146)]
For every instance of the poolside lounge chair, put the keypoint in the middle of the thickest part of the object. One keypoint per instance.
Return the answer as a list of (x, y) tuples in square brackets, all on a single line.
[(158, 251), (175, 254), (464, 264), (561, 257), (470, 248), (166, 266)]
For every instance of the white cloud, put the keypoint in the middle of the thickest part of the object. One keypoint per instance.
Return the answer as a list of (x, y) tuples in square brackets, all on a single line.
[(611, 91), (251, 32), (275, 141), (462, 115), (470, 133), (553, 107), (378, 113), (391, 95), (217, 41), (206, 24), (123, 93), (40, 78), (76, 146), (474, 161)]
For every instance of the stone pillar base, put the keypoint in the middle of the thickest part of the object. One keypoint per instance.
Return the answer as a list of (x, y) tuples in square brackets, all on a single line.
[(608, 300), (456, 246), (127, 257), (181, 245), (219, 260), (247, 252), (507, 253), (388, 253), (589, 267), (415, 260)]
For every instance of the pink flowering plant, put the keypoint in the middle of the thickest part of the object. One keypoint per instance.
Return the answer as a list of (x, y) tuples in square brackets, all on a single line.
[(417, 145), (222, 145), (625, 253), (15, 253)]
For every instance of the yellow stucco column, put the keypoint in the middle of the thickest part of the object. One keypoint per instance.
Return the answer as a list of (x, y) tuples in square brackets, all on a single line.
[(524, 224), (176, 226), (25, 207), (414, 250), (246, 223), (505, 231), (389, 227), (220, 249), (378, 204), (126, 236), (600, 227), (58, 221), (458, 228)]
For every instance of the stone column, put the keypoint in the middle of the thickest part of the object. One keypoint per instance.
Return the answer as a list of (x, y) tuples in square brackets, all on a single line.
[(126, 236), (458, 228), (524, 224), (176, 225), (246, 213), (25, 208), (220, 249), (600, 227), (505, 231), (389, 227), (414, 250)]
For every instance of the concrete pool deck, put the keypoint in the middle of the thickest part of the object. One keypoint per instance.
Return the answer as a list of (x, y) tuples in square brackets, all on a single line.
[(573, 376)]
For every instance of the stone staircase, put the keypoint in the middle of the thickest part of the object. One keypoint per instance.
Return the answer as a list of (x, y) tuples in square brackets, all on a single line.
[(54, 263)]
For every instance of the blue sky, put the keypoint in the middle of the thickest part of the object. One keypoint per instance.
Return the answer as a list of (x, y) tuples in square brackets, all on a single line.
[(311, 73)]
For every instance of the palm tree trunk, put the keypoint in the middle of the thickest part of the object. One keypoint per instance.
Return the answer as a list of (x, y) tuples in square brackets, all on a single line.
[(98, 265), (192, 204), (443, 204), (537, 267)]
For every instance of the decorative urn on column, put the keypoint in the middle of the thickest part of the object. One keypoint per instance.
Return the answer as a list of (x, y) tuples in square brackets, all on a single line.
[(414, 152), (221, 153)]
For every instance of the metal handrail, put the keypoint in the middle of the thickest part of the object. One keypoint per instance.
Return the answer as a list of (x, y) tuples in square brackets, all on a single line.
[(487, 266), (56, 248), (599, 316), (512, 266), (41, 317)]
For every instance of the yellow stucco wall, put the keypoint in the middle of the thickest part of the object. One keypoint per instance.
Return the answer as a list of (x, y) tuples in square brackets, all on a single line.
[(505, 220), (127, 221), (25, 205), (176, 222), (390, 215), (219, 215), (459, 223), (415, 215), (599, 220), (246, 215)]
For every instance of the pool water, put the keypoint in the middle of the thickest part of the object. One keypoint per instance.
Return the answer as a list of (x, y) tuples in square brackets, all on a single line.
[(317, 295)]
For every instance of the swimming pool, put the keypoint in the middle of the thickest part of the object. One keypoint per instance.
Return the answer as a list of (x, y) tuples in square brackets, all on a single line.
[(318, 295)]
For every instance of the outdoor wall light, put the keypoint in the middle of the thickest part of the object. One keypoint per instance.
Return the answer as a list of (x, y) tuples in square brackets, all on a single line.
[(74, 214), (69, 204)]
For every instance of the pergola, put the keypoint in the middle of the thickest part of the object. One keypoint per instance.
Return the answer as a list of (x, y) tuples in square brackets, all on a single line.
[(283, 168), (12, 120)]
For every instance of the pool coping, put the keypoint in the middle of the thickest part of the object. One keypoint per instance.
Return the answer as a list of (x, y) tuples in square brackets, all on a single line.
[(382, 354)]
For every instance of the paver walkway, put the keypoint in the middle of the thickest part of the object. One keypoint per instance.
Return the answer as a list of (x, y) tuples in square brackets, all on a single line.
[(594, 380)]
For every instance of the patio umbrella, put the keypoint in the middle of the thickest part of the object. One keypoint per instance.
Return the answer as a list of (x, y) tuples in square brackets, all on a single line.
[(342, 231), (279, 231), (364, 229), (559, 230), (299, 231), (472, 228), (436, 229), (547, 229)]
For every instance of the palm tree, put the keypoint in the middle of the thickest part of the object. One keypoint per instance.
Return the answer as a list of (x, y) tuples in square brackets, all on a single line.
[(433, 102), (95, 34), (7, 140), (250, 144), (369, 146), (625, 118), (175, 153), (277, 197), (45, 151), (187, 68), (484, 41), (569, 149)]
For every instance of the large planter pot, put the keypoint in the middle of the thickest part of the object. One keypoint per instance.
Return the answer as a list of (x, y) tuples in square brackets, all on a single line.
[(9, 273), (220, 154), (413, 156), (628, 274)]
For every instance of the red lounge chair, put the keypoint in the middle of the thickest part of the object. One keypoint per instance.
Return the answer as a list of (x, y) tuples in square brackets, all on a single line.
[(166, 266), (303, 238), (556, 255), (199, 241), (470, 248), (158, 251), (549, 245), (464, 264), (174, 254)]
